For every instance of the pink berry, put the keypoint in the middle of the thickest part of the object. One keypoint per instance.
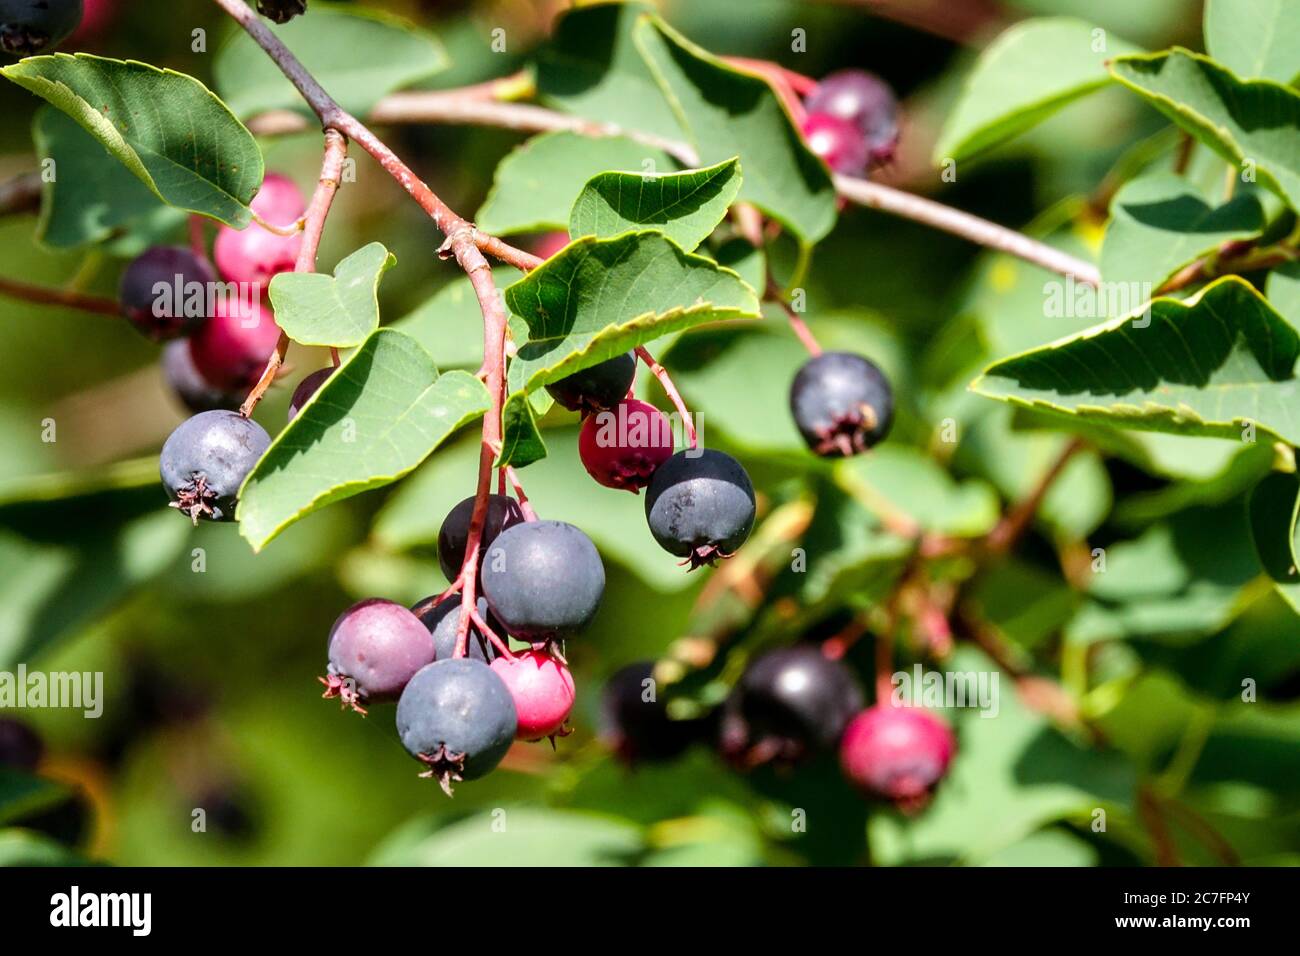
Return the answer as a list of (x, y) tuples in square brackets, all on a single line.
[(231, 349), (254, 254), (549, 243), (622, 447), (838, 142), (375, 648), (897, 753), (542, 689), (864, 100), (307, 388)]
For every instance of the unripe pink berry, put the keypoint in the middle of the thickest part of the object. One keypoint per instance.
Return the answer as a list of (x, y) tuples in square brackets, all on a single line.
[(233, 346), (838, 142), (542, 689), (897, 753), (622, 447), (254, 254)]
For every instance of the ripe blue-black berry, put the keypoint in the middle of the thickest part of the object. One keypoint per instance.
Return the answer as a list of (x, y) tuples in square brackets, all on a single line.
[(20, 747), (281, 11), (842, 404), (28, 27), (453, 536), (543, 580), (457, 718), (164, 292), (897, 753), (788, 703), (635, 721), (307, 388), (867, 102), (443, 619), (700, 505), (375, 648), (188, 383), (206, 459), (597, 387)]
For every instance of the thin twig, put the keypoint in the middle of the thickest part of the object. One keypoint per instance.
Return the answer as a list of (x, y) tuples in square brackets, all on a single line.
[(1016, 521), (20, 194), (797, 323), (670, 389), (68, 300)]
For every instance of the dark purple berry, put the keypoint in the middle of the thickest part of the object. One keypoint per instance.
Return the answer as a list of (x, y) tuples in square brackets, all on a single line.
[(28, 27), (788, 703), (281, 11), (375, 647), (457, 717), (188, 383), (897, 753), (867, 102), (635, 721), (20, 747), (453, 536), (206, 459), (543, 580), (842, 404), (597, 387), (165, 292), (700, 505), (443, 620), (838, 142), (307, 388)]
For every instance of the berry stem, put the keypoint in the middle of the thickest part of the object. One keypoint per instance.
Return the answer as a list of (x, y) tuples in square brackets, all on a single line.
[(292, 229), (786, 84), (20, 194), (1016, 521), (331, 175), (524, 506), (670, 389), (884, 665), (69, 300), (797, 323)]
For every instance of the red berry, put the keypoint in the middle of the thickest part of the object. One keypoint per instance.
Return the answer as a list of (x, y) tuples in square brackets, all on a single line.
[(622, 447), (232, 347), (897, 753), (542, 689), (838, 142), (254, 254)]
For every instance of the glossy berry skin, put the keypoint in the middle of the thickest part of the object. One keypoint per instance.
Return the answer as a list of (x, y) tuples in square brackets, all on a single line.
[(442, 621), (788, 703), (165, 290), (837, 142), (307, 388), (543, 580), (636, 722), (542, 689), (700, 505), (28, 27), (453, 537), (20, 747), (622, 447), (549, 243), (188, 384), (457, 718), (255, 254), (867, 102), (842, 404), (281, 11), (231, 349), (206, 459), (897, 753), (597, 387), (375, 648)]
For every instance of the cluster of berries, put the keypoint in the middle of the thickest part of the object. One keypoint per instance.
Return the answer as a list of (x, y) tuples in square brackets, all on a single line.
[(851, 122), (788, 705)]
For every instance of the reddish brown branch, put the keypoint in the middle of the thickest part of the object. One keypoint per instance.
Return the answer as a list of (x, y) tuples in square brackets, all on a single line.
[(68, 300), (797, 323), (1016, 521), (20, 194), (661, 373)]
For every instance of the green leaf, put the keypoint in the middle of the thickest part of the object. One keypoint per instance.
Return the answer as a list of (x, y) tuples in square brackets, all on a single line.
[(522, 442), (1201, 367), (450, 322), (905, 480), (599, 297), (1254, 124), (23, 796), (1283, 290), (745, 259), (167, 128), (381, 414), (339, 310), (685, 206), (358, 56), (730, 113), (592, 68), (1161, 221), (1274, 508), (91, 196), (1255, 38), (1027, 74), (535, 186)]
